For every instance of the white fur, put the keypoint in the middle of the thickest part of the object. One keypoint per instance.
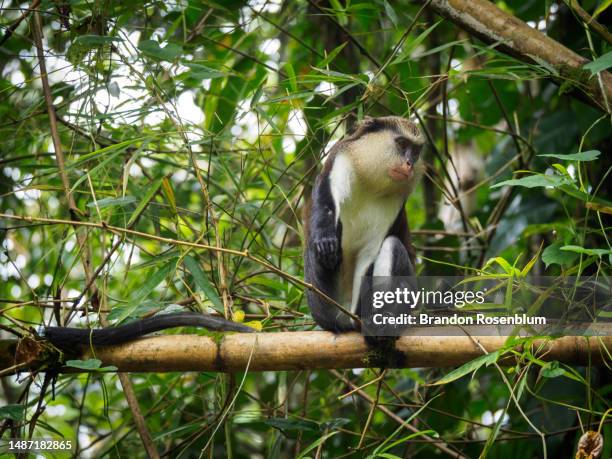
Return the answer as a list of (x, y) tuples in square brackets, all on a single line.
[(341, 176), (383, 265), (366, 218)]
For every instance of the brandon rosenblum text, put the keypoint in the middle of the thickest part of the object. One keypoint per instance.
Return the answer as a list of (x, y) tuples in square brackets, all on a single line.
[(456, 319)]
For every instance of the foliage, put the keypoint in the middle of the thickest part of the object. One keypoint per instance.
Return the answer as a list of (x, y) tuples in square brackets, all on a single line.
[(205, 122)]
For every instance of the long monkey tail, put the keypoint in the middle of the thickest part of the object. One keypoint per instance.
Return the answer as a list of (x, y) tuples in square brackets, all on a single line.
[(67, 339)]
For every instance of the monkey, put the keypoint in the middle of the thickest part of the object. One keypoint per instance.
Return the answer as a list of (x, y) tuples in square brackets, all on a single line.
[(355, 226), (70, 339), (355, 222)]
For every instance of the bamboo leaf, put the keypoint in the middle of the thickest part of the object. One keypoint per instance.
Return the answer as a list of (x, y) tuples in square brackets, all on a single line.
[(12, 412), (149, 194), (601, 63), (582, 156), (535, 181), (202, 281), (152, 48), (483, 360)]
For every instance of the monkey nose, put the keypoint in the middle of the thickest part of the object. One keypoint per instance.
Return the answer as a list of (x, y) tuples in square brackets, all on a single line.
[(412, 154)]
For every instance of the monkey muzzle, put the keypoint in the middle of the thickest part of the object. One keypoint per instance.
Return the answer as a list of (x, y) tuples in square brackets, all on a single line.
[(403, 170)]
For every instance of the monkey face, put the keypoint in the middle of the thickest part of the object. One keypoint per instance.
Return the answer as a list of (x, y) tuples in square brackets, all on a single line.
[(385, 153), (408, 152)]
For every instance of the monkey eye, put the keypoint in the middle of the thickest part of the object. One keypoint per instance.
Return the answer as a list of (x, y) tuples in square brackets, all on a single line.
[(402, 144)]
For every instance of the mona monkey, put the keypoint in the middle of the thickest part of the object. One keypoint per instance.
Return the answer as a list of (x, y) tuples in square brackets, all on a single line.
[(356, 226), (356, 223)]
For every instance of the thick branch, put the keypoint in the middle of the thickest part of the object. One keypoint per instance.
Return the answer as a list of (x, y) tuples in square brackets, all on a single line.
[(317, 350), (484, 20)]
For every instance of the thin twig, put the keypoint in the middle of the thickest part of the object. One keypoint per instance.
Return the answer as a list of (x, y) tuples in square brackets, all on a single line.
[(441, 445), (14, 25)]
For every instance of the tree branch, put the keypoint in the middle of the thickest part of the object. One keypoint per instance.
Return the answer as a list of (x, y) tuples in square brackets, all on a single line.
[(486, 21), (310, 350)]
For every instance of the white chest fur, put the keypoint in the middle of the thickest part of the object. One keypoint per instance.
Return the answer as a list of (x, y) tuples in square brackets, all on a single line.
[(366, 218)]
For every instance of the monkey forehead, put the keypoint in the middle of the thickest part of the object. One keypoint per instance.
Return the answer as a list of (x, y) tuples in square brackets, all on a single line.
[(393, 124), (411, 130)]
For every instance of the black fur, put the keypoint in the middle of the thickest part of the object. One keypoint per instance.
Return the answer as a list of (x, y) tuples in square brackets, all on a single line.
[(69, 339), (372, 125), (323, 252), (323, 256)]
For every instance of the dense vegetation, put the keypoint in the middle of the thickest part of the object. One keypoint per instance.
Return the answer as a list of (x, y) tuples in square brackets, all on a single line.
[(206, 122)]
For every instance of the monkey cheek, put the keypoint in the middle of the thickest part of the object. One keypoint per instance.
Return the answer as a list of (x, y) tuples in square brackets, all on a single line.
[(401, 172)]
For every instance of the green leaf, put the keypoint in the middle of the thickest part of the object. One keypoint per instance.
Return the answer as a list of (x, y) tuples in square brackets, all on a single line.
[(582, 196), (12, 412), (599, 64), (201, 72), (531, 263), (316, 443), (291, 77), (91, 41), (168, 53), (601, 8), (147, 307), (590, 252), (437, 49), (153, 281), (202, 281), (412, 44), (90, 365), (330, 56), (501, 261), (536, 180), (391, 14), (469, 367), (102, 151), (552, 370), (554, 255), (149, 194), (112, 202), (582, 156)]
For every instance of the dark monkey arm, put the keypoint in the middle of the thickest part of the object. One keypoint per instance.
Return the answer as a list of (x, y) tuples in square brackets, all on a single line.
[(325, 230)]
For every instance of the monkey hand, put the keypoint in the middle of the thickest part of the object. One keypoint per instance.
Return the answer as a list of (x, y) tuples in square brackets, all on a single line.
[(327, 250)]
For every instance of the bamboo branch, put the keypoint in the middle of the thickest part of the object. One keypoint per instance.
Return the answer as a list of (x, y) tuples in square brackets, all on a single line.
[(486, 21), (315, 350)]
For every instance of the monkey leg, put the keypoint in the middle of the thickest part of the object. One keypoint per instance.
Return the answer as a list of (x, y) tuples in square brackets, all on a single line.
[(391, 269), (393, 259)]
